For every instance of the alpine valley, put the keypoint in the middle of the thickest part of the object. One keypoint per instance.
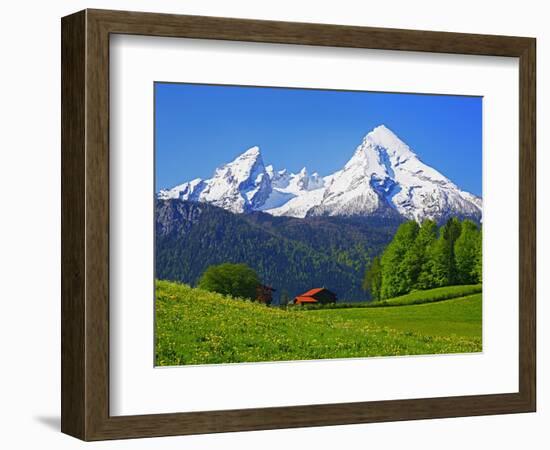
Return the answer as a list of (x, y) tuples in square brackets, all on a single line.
[(299, 230)]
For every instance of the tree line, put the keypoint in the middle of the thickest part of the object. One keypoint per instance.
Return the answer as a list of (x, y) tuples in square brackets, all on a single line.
[(426, 256)]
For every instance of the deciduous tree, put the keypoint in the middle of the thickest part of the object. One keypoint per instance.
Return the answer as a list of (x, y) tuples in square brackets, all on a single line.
[(237, 280), (394, 269), (466, 253), (372, 282)]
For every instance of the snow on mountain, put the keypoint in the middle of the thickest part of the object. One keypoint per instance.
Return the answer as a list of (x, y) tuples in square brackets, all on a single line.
[(185, 191), (383, 176), (240, 186), (297, 206), (293, 194), (385, 173)]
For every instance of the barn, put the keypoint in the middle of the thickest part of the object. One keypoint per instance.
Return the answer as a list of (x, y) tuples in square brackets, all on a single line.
[(264, 294), (317, 295)]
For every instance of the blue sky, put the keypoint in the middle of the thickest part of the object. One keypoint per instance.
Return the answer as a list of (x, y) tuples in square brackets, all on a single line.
[(200, 127)]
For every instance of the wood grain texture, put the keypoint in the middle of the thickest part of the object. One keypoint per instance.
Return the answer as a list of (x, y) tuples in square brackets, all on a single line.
[(97, 225), (85, 224), (201, 27), (73, 227), (527, 224)]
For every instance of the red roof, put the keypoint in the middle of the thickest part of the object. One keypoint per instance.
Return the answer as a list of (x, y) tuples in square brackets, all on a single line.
[(311, 292)]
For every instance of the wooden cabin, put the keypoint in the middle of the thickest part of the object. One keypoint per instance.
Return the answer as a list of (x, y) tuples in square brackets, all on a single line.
[(264, 294), (317, 295)]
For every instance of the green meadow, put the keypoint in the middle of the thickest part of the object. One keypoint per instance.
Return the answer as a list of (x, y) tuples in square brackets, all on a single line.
[(195, 326)]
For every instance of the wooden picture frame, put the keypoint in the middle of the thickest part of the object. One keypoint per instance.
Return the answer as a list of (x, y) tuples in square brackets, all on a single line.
[(85, 224)]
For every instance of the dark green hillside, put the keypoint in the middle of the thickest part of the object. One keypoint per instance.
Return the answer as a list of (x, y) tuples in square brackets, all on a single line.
[(289, 254), (351, 241)]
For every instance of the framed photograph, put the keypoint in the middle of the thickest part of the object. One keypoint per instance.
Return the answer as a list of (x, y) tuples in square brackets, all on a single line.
[(272, 225)]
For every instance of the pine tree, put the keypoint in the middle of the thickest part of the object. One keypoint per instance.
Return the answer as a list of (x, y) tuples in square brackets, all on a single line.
[(372, 282), (394, 270), (466, 253)]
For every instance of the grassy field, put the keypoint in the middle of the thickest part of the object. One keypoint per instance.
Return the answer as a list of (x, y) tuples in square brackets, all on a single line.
[(431, 295), (456, 317), (199, 327), (413, 298)]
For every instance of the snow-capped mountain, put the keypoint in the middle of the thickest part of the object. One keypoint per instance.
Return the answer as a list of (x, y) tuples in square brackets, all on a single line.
[(383, 176), (246, 184), (240, 186)]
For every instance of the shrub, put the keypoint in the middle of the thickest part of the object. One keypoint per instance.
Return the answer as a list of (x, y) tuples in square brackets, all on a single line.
[(236, 280)]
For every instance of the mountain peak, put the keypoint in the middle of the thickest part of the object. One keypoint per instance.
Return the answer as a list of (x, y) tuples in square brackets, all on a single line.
[(245, 164), (382, 136), (383, 177), (382, 132), (252, 151), (252, 154)]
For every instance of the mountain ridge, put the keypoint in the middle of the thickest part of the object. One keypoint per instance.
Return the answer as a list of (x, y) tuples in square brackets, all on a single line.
[(384, 177)]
